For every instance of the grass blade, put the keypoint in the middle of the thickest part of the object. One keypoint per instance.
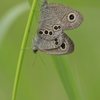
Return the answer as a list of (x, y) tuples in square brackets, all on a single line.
[(21, 55), (66, 75)]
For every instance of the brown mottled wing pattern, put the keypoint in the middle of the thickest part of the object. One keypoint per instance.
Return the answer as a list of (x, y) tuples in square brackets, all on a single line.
[(65, 48), (62, 13), (42, 44), (48, 20)]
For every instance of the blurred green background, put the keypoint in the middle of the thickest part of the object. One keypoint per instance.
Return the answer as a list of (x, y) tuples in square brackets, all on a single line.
[(42, 82)]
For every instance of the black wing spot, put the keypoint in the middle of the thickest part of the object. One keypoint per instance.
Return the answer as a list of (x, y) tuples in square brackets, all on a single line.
[(59, 27), (56, 27), (71, 17), (56, 39), (50, 33), (40, 32), (56, 43), (46, 32), (63, 46)]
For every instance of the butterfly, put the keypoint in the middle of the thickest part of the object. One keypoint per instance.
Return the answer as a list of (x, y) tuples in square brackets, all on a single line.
[(54, 19)]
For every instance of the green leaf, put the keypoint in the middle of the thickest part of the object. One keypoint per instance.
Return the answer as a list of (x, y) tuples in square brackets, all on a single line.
[(66, 75)]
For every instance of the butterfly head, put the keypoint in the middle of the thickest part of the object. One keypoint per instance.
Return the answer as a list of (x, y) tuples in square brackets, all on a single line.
[(35, 50)]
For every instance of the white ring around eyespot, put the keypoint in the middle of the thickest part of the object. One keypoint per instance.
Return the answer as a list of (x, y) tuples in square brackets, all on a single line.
[(39, 31), (64, 48), (57, 29), (51, 31), (74, 17), (46, 30)]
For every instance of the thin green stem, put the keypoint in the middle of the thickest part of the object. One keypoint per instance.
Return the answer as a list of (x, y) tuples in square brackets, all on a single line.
[(21, 55)]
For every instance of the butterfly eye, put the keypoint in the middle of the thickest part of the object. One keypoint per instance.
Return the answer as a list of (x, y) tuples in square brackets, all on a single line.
[(63, 47), (71, 17), (46, 32), (41, 32), (56, 27)]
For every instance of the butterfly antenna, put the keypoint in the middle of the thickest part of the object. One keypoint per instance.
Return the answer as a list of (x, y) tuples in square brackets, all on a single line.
[(27, 48), (41, 59), (34, 60), (44, 1)]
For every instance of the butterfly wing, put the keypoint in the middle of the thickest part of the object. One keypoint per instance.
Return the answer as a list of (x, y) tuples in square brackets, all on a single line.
[(42, 44), (69, 17), (49, 24), (65, 48)]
